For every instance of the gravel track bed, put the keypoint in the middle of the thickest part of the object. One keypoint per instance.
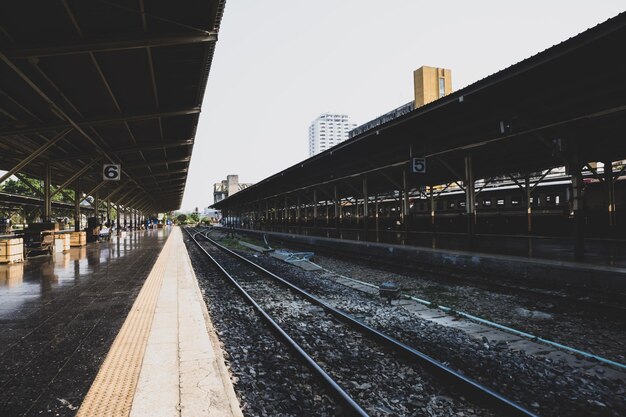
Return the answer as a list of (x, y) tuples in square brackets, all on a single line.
[(540, 316), (549, 314), (268, 379), (382, 384), (548, 388)]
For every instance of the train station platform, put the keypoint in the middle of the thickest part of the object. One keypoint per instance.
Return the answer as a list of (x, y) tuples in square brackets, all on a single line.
[(598, 251), (548, 264), (115, 328)]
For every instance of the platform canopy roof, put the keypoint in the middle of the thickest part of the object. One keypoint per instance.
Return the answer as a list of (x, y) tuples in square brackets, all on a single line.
[(88, 83), (563, 106)]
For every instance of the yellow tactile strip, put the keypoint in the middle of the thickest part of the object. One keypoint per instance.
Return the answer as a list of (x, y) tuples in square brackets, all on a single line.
[(112, 392)]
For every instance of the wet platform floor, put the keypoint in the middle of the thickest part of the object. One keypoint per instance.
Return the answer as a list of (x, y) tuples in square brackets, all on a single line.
[(59, 315)]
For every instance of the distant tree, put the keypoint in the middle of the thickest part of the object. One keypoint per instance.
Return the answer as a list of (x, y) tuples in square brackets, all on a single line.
[(28, 185), (182, 219), (194, 217), (17, 187)]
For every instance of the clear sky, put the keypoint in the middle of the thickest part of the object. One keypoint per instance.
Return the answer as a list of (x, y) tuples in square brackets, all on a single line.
[(281, 63)]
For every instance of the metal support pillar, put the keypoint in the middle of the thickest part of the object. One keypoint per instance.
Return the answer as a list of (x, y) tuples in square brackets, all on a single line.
[(96, 204), (470, 197), (578, 210), (314, 209), (433, 227), (376, 209), (337, 208), (365, 206), (125, 218), (117, 217), (109, 212), (286, 214), (77, 206), (298, 213), (405, 203), (529, 207), (327, 211), (47, 201), (610, 188)]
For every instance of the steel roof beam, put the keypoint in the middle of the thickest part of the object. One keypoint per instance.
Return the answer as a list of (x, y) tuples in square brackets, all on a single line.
[(135, 199), (93, 190), (118, 201), (101, 121), (113, 192), (129, 150), (156, 164), (28, 184), (176, 173), (74, 177), (139, 204), (54, 107), (107, 45), (35, 154), (161, 187)]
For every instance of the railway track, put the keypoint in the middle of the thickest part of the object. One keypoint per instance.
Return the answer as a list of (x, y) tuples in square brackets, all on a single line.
[(570, 298), (572, 302), (333, 344)]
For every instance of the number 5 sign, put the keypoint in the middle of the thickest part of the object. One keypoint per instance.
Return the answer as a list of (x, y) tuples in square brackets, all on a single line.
[(111, 172)]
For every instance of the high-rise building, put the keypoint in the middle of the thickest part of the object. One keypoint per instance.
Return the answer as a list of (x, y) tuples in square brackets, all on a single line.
[(228, 187), (431, 84), (327, 131)]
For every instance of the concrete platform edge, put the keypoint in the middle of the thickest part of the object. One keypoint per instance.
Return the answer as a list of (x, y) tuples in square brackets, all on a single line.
[(229, 389), (571, 273)]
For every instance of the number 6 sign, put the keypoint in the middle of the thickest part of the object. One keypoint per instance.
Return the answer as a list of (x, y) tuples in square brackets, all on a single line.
[(111, 172)]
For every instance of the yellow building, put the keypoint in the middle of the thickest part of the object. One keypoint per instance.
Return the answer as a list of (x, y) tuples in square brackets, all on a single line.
[(431, 84)]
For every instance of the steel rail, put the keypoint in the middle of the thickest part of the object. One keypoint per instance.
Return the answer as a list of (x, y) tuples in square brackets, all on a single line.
[(352, 407), (452, 311), (484, 395)]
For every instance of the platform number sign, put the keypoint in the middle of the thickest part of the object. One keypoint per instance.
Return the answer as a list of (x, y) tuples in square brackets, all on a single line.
[(111, 172), (418, 165)]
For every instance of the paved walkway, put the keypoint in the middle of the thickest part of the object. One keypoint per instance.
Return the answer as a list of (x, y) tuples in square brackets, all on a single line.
[(166, 359), (117, 329), (58, 317)]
